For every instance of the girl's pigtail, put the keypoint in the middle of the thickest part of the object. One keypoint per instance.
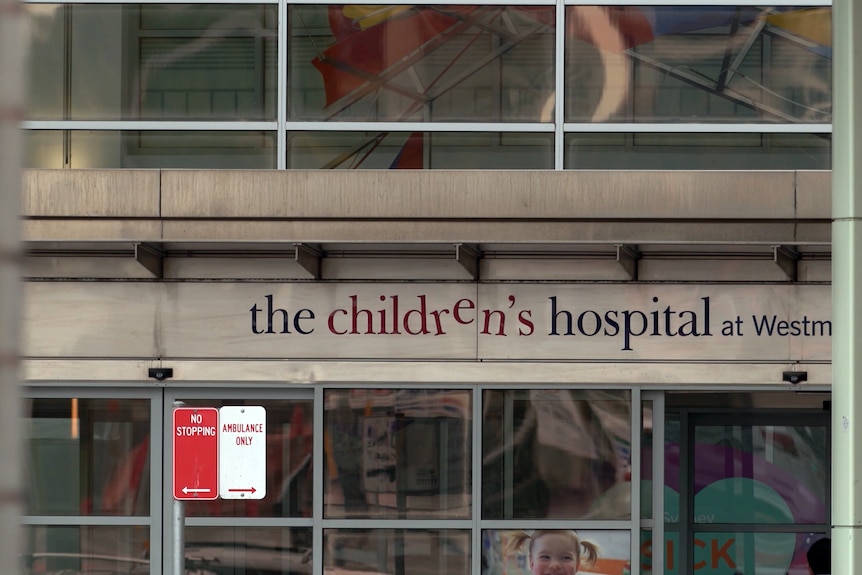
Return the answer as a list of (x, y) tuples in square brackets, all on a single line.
[(515, 541), (589, 554)]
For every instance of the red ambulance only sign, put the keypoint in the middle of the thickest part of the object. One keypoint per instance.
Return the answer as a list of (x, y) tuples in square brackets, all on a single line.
[(195, 453)]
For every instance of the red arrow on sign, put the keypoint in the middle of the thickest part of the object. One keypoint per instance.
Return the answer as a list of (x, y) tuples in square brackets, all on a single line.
[(249, 490)]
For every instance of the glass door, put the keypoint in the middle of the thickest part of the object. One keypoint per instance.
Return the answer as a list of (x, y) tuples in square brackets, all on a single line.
[(746, 492), (246, 535), (90, 473)]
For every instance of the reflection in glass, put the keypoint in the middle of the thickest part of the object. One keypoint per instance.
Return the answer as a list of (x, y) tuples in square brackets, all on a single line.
[(697, 151), (152, 61), (248, 550), (516, 552), (289, 473), (556, 453), (397, 453), (419, 150), (105, 149), (62, 550), (421, 63), (646, 459), (396, 551), (88, 457), (698, 64), (43, 149), (760, 474)]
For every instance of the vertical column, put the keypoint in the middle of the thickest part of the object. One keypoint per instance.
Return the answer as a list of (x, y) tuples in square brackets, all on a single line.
[(846, 287), (11, 437)]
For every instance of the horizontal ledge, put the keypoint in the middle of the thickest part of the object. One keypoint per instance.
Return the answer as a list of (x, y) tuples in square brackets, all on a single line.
[(270, 373), (451, 127)]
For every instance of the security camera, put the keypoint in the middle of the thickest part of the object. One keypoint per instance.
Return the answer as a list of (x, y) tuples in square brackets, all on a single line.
[(161, 373), (794, 376)]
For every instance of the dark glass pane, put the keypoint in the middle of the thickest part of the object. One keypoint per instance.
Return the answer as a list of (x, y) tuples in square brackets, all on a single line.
[(84, 149), (760, 474), (88, 457), (248, 551), (698, 64), (398, 453), (396, 551), (419, 150), (79, 550), (556, 453), (421, 63), (698, 151), (165, 62)]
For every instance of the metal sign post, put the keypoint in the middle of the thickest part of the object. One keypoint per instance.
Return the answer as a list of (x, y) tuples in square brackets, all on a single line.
[(195, 467)]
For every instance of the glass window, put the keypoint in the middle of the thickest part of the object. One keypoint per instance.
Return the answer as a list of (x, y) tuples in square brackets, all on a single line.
[(698, 151), (289, 472), (153, 62), (421, 63), (418, 150), (88, 457), (74, 550), (556, 453), (760, 474), (698, 64), (83, 149), (247, 550), (729, 553), (396, 551), (549, 551), (398, 453)]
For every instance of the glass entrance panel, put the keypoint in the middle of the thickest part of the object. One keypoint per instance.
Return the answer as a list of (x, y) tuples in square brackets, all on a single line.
[(246, 535), (753, 491)]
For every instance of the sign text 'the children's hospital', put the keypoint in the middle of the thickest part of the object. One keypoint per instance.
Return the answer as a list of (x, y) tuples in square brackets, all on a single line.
[(555, 317)]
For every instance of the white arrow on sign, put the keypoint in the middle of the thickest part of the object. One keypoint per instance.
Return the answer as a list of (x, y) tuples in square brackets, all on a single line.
[(188, 490)]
